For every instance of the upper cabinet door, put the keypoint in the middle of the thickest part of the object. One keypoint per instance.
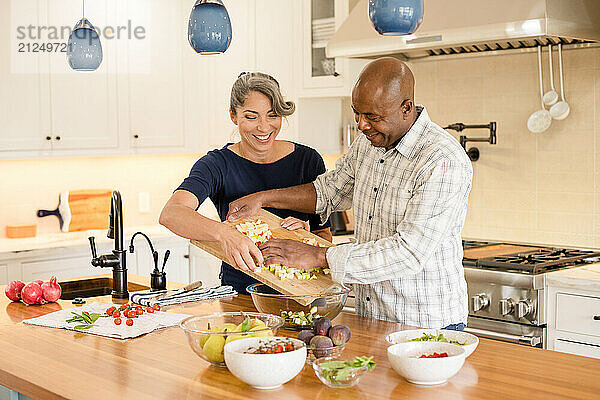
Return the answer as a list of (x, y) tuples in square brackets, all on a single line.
[(84, 104), (24, 99), (154, 72)]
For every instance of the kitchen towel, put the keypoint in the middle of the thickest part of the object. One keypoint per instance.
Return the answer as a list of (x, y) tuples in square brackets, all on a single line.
[(142, 324), (198, 294)]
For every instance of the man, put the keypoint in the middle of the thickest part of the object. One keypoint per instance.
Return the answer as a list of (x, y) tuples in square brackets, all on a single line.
[(408, 183)]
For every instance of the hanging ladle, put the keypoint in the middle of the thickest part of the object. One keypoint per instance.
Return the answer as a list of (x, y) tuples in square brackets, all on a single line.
[(561, 109), (540, 120), (550, 97)]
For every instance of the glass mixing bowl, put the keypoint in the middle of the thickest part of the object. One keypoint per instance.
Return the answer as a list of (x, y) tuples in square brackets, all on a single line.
[(207, 334), (268, 300)]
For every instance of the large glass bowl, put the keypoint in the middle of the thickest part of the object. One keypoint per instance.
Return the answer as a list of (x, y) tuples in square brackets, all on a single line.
[(268, 300), (207, 336)]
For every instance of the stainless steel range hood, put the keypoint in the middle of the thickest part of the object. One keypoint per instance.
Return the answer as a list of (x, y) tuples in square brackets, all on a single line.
[(472, 26)]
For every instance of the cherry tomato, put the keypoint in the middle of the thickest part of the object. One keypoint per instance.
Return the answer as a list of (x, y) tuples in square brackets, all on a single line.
[(86, 313), (150, 310), (289, 347), (110, 310), (129, 322), (123, 307), (156, 307), (116, 313), (117, 321)]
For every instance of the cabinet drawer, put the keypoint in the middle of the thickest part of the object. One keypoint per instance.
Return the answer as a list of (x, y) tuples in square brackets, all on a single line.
[(576, 314), (579, 349)]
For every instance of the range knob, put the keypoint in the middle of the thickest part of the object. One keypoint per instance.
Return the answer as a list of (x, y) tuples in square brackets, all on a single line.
[(507, 306), (524, 308), (480, 301)]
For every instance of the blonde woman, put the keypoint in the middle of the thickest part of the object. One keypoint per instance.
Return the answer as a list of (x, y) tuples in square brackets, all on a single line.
[(257, 162)]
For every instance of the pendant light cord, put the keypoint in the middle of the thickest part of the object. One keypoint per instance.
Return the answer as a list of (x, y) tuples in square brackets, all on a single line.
[(83, 8)]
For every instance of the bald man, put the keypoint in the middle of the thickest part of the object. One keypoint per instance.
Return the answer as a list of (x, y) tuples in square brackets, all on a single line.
[(407, 181)]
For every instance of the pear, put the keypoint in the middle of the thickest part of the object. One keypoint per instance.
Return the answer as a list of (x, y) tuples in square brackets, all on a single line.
[(228, 327), (213, 348), (262, 332), (257, 322), (204, 338)]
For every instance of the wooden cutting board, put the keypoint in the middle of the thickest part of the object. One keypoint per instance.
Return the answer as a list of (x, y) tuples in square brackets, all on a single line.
[(287, 286), (496, 250), (81, 210)]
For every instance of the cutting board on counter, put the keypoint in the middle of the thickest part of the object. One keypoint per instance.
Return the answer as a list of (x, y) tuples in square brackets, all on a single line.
[(81, 210), (496, 250), (287, 286)]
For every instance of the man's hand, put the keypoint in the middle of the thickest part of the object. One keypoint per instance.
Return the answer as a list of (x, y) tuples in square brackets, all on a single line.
[(243, 207), (292, 224), (240, 250), (294, 254)]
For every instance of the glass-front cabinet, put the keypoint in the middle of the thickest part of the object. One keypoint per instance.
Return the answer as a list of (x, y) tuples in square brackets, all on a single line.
[(321, 18)]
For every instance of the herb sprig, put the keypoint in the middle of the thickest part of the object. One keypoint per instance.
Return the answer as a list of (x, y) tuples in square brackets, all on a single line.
[(339, 371), (436, 338), (87, 319)]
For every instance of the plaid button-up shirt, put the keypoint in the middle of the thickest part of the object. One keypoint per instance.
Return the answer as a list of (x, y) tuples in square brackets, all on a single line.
[(409, 206)]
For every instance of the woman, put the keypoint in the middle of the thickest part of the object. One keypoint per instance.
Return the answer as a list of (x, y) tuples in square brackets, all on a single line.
[(257, 162)]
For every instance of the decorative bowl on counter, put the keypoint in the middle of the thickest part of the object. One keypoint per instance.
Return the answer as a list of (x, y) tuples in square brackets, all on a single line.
[(265, 371), (208, 334), (351, 378), (406, 360), (468, 341), (296, 315)]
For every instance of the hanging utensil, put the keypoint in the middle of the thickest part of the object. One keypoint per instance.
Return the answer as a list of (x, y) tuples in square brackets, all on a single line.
[(561, 109), (550, 97), (540, 120)]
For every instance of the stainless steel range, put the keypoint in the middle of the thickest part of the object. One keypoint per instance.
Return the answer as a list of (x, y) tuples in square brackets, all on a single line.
[(506, 291)]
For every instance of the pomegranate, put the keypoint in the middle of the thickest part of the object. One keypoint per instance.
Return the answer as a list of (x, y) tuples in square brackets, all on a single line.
[(51, 290), (32, 294), (39, 282), (13, 290)]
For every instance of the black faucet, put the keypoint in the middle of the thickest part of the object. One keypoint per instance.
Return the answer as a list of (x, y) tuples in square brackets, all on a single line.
[(116, 260), (473, 152), (158, 279)]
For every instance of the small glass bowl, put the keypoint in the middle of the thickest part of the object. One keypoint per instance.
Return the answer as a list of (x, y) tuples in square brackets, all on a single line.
[(350, 381), (197, 330), (268, 300), (333, 353)]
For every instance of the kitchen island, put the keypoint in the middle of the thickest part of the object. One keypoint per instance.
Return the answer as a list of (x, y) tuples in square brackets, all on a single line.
[(51, 363)]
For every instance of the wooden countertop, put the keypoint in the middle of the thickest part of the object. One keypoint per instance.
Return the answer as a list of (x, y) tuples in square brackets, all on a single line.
[(54, 363)]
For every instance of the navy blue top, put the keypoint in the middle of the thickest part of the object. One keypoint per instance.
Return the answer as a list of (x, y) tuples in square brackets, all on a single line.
[(224, 176)]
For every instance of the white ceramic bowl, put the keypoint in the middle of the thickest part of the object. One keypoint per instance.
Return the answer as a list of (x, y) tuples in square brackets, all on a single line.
[(405, 360), (264, 371), (470, 341)]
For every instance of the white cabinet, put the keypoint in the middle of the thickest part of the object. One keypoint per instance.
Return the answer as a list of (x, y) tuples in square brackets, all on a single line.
[(204, 267), (574, 321), (84, 105), (62, 268), (24, 96), (4, 274), (152, 63)]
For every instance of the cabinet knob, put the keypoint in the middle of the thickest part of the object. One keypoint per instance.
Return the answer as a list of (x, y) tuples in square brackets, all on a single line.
[(136, 136), (57, 138), (188, 256), (596, 317), (48, 137)]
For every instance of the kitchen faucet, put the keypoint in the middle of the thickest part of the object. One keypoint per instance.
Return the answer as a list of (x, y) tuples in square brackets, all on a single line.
[(116, 260)]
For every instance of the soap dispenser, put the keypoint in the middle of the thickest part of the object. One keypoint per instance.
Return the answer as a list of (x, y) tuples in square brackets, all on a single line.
[(158, 278)]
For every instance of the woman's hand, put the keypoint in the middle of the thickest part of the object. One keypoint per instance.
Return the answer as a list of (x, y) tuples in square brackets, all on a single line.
[(240, 250), (292, 224)]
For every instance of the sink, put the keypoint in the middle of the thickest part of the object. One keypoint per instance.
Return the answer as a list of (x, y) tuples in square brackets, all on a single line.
[(93, 287)]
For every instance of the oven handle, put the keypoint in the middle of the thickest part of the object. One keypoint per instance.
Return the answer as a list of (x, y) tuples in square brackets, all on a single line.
[(532, 341)]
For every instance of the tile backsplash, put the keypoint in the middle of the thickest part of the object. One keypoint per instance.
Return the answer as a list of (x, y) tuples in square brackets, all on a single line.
[(539, 188)]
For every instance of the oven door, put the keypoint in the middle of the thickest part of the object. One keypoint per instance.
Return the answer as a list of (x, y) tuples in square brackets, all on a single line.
[(527, 335)]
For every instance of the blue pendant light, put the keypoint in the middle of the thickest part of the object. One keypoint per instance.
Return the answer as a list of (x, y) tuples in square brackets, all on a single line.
[(84, 50), (396, 17), (209, 29)]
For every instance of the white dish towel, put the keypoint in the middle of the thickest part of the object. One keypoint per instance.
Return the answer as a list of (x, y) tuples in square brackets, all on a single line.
[(142, 324), (198, 294)]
